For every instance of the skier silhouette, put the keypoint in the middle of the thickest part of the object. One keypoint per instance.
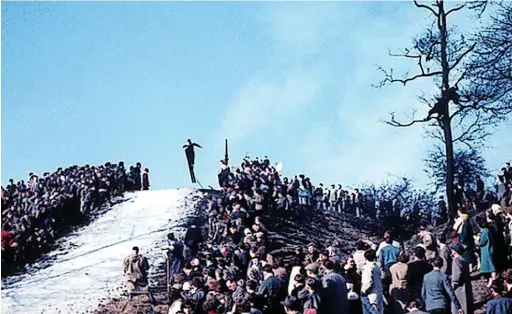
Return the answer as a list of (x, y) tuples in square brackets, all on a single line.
[(191, 156)]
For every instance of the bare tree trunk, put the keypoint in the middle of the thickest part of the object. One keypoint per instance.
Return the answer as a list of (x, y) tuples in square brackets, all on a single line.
[(446, 121), (452, 204)]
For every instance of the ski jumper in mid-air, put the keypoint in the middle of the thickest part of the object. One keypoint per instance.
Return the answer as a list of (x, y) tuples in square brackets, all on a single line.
[(191, 156)]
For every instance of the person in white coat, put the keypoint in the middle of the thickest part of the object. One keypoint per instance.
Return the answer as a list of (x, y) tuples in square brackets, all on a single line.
[(333, 194), (371, 286)]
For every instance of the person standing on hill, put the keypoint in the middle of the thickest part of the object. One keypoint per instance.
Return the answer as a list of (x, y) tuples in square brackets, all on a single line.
[(398, 290), (461, 279), (417, 269), (437, 291), (334, 290), (445, 254), (464, 235), (145, 180), (428, 241), (138, 178), (372, 295), (497, 230), (332, 198), (136, 269), (319, 196), (191, 157), (486, 243), (272, 289), (175, 255), (193, 238)]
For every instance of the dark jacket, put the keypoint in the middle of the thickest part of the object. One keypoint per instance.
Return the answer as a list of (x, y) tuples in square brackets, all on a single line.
[(145, 181), (461, 283), (193, 237), (196, 298), (437, 292), (312, 301), (501, 305), (334, 294), (445, 254), (272, 290), (416, 271)]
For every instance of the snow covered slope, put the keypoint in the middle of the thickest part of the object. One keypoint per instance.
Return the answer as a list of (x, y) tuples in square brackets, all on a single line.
[(92, 266)]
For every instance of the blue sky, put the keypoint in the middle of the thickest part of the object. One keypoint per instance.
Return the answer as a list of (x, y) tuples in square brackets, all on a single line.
[(95, 82)]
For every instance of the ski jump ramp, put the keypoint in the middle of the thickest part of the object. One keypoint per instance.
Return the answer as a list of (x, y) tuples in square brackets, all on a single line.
[(90, 269)]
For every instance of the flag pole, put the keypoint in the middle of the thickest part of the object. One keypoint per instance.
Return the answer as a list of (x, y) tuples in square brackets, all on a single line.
[(226, 155)]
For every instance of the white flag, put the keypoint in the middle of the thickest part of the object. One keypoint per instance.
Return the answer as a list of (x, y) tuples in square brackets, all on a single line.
[(279, 166)]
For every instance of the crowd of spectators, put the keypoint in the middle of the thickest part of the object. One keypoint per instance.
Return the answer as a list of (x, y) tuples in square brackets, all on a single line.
[(476, 196), (35, 212), (231, 271)]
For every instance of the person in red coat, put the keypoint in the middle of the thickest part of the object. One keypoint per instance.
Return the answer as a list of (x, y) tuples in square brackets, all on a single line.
[(8, 240), (145, 180)]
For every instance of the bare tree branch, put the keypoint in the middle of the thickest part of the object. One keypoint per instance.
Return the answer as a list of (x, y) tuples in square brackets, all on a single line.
[(425, 7), (395, 123), (455, 9), (462, 56)]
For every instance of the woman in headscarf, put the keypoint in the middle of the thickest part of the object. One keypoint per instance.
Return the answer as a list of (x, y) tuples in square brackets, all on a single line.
[(464, 236)]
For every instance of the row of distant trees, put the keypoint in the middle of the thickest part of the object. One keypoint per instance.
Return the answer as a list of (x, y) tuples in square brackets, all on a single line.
[(473, 75)]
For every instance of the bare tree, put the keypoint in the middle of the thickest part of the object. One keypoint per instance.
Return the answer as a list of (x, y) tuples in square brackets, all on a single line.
[(489, 71), (402, 208), (462, 111), (468, 165)]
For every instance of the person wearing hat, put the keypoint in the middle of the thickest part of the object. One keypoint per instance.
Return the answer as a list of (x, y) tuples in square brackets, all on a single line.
[(292, 305), (312, 254), (461, 279), (312, 270)]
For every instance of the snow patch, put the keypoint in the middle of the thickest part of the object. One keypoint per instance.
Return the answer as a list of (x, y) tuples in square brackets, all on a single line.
[(91, 269)]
